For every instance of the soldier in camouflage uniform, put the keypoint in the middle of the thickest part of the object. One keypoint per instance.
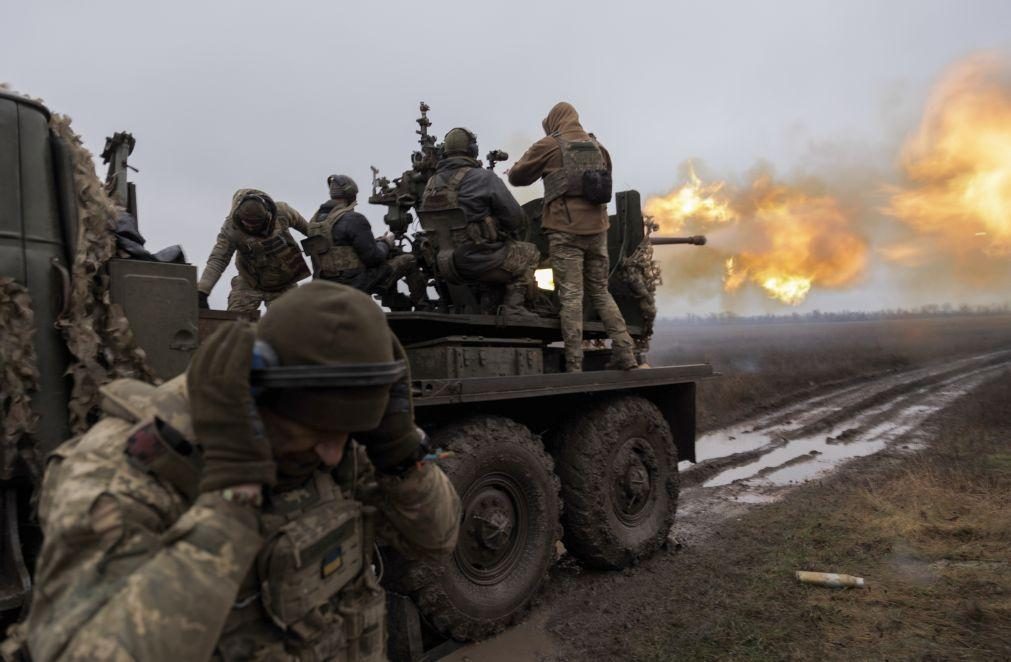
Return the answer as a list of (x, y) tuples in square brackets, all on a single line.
[(485, 249), (269, 262), (193, 521), (344, 250), (576, 170)]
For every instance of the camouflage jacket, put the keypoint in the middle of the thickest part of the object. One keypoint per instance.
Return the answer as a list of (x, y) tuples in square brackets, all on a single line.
[(132, 568), (226, 245)]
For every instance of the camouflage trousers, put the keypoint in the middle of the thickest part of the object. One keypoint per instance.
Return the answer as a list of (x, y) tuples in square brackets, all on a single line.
[(580, 265), (244, 298), (521, 261)]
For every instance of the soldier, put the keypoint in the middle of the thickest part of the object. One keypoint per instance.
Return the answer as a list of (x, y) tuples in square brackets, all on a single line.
[(483, 251), (269, 261), (202, 518), (344, 250), (576, 170)]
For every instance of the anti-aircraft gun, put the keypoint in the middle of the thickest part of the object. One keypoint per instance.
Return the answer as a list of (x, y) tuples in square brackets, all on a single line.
[(525, 436)]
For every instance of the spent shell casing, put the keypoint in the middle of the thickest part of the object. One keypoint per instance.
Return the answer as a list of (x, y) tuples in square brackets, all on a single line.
[(830, 579)]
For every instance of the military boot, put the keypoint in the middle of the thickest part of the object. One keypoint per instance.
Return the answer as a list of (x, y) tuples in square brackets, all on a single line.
[(514, 300), (622, 360)]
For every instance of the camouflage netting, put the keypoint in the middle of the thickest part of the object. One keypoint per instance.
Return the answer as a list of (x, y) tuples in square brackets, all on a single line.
[(19, 379), (642, 274), (96, 331)]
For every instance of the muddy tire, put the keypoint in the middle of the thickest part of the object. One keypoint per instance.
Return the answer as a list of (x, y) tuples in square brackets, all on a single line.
[(618, 466), (508, 532)]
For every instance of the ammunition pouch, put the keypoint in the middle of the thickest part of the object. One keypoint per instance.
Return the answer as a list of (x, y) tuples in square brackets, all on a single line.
[(583, 174), (317, 583)]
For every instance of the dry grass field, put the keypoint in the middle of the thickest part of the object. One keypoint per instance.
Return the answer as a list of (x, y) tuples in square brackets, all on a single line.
[(765, 365), (929, 531)]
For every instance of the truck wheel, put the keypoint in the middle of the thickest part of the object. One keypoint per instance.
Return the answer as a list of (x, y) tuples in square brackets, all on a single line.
[(618, 466), (508, 532)]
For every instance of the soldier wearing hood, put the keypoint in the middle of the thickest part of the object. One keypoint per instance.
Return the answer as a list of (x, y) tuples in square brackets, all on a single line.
[(576, 170), (486, 249), (200, 518), (269, 261), (343, 249)]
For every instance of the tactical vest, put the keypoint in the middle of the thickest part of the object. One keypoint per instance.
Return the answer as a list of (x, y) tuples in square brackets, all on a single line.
[(312, 593), (445, 221), (583, 174), (269, 263), (329, 260)]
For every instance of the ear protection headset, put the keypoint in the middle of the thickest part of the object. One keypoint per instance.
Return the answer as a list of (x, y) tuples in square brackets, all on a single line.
[(267, 373)]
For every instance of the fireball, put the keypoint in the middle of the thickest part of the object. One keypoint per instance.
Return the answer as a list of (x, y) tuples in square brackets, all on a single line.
[(774, 236), (958, 164)]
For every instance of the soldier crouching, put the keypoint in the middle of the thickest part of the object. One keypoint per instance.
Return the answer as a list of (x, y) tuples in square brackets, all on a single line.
[(343, 249), (485, 248), (195, 521), (269, 261)]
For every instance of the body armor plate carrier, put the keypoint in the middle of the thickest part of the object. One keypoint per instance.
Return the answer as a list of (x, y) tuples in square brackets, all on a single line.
[(440, 214), (330, 261), (314, 579), (269, 263), (583, 174)]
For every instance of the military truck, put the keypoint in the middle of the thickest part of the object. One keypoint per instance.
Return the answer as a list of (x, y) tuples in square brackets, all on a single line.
[(539, 456)]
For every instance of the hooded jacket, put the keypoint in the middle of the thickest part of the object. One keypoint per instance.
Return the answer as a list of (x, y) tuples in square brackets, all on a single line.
[(226, 244), (566, 214)]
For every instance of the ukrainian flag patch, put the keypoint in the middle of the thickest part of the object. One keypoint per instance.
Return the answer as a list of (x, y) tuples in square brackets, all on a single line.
[(332, 561)]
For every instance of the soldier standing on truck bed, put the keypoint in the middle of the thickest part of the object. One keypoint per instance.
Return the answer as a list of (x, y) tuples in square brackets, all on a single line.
[(269, 260), (483, 250), (344, 250), (227, 513), (576, 170)]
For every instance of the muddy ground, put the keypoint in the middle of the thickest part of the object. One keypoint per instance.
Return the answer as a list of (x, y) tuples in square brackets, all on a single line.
[(901, 475)]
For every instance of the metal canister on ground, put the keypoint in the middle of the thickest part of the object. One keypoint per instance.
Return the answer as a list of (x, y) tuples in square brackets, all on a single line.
[(830, 579)]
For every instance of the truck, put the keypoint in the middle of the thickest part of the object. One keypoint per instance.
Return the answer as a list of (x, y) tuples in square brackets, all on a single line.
[(542, 459)]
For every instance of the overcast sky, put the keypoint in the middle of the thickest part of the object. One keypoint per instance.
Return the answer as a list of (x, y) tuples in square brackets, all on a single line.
[(222, 95)]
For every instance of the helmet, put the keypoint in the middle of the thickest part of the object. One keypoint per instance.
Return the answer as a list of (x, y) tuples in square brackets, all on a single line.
[(326, 358), (342, 186), (460, 141), (254, 212)]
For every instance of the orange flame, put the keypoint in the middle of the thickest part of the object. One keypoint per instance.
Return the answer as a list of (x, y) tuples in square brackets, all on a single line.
[(780, 238), (958, 164)]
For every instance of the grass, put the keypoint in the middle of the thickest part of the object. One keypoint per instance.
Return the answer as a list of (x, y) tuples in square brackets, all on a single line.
[(930, 532), (767, 365)]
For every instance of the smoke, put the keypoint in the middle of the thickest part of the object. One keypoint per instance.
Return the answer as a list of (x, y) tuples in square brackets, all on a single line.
[(926, 217)]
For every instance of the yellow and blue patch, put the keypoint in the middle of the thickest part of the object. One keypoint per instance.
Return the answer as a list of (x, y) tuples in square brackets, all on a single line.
[(332, 561)]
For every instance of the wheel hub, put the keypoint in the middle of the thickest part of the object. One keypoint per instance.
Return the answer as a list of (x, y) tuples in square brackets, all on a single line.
[(632, 484), (493, 519)]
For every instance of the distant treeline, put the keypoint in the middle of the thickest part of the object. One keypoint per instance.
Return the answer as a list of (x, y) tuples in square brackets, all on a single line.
[(931, 310)]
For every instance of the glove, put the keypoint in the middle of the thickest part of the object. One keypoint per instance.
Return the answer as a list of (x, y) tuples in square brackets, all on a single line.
[(202, 301), (397, 444), (225, 419), (389, 240)]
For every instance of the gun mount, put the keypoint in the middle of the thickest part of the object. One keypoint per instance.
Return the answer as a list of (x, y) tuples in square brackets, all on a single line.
[(117, 150)]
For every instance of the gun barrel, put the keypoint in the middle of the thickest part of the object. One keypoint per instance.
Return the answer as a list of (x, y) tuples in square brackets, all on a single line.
[(698, 240)]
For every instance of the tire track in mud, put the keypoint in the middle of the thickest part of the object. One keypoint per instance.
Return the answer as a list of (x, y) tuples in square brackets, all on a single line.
[(741, 467)]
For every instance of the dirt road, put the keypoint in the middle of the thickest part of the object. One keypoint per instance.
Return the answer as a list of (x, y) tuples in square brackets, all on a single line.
[(739, 468)]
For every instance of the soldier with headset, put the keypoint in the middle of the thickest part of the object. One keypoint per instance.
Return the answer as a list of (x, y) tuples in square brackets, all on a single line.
[(485, 248), (269, 261), (343, 249), (232, 511)]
